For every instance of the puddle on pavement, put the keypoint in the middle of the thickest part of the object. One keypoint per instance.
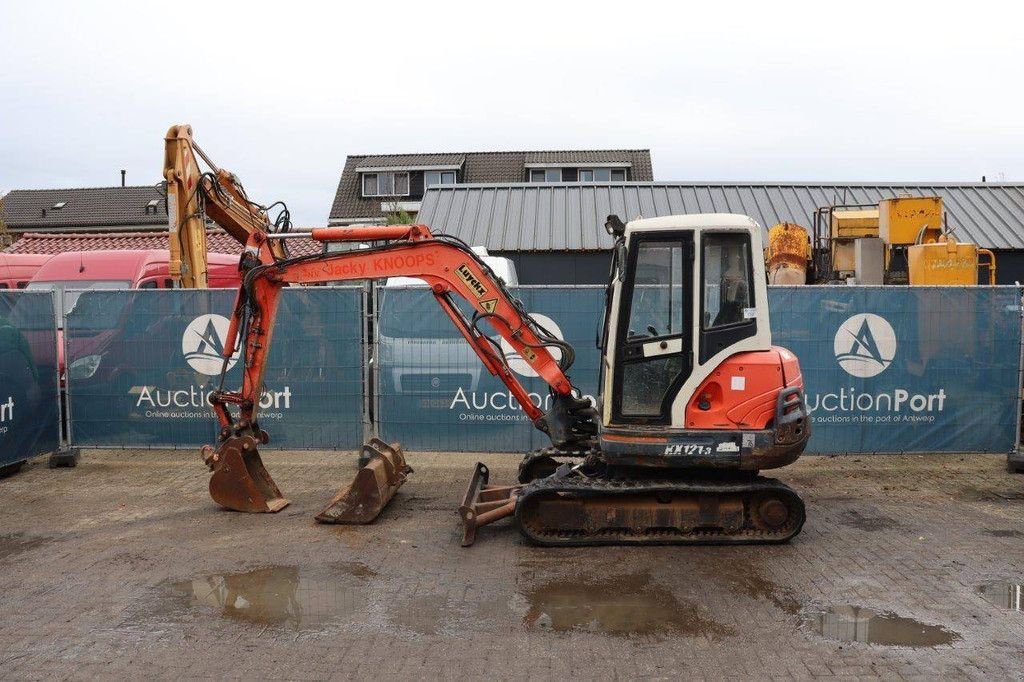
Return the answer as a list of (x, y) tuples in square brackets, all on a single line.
[(856, 624), (1003, 594), (16, 543), (290, 596), (623, 606), (1003, 533)]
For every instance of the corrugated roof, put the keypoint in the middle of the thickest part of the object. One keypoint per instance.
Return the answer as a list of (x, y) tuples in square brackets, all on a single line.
[(557, 217), (85, 208), (477, 167), (217, 241)]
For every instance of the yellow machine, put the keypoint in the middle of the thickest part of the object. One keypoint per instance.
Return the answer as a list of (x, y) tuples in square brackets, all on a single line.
[(846, 226), (903, 221), (916, 246), (947, 261), (787, 255), (194, 195)]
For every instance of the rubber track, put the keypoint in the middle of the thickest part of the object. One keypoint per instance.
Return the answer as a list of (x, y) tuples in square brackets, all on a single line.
[(581, 487)]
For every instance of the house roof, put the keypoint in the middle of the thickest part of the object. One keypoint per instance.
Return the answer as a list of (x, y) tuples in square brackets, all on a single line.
[(571, 216), (477, 167), (217, 241), (90, 208)]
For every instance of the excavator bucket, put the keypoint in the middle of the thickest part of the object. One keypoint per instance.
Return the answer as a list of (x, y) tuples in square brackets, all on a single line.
[(239, 480), (381, 473)]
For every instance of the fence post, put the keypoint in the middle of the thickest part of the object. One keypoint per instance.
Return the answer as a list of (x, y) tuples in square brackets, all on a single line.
[(1015, 460), (66, 455)]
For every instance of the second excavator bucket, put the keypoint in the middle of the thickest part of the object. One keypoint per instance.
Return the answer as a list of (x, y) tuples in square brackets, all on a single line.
[(239, 481), (382, 472)]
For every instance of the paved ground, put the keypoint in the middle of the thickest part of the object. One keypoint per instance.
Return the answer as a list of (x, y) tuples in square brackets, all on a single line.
[(124, 568)]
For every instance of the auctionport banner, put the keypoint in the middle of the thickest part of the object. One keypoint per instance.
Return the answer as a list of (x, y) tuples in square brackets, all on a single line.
[(29, 395), (887, 370), (434, 394), (141, 365), (905, 369)]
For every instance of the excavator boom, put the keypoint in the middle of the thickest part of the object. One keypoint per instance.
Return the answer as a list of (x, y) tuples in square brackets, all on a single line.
[(193, 196), (450, 268)]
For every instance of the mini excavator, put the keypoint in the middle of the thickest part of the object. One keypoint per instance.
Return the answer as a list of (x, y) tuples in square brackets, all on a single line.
[(694, 398)]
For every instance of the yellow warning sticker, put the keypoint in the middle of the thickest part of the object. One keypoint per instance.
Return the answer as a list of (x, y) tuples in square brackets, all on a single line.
[(528, 354), (489, 305), (471, 280)]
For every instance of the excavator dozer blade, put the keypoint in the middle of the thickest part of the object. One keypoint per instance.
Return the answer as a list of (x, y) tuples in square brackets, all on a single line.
[(484, 504), (239, 480), (376, 482)]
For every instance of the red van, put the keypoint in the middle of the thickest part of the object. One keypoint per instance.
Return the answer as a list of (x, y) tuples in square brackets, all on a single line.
[(116, 270), (17, 269)]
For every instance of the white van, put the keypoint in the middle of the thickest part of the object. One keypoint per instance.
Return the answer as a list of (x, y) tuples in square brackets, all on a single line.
[(419, 348)]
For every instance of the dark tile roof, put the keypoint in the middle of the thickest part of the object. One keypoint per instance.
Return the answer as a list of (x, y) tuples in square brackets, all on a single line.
[(106, 208), (571, 216), (477, 167), (217, 241), (399, 160)]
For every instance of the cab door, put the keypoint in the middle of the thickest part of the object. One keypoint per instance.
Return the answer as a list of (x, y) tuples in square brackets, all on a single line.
[(653, 354)]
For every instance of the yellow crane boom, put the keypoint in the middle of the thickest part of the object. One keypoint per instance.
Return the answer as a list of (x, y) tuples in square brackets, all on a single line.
[(193, 195)]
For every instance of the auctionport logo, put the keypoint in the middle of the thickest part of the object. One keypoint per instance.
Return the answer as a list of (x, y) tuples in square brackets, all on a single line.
[(865, 345), (516, 361), (202, 344)]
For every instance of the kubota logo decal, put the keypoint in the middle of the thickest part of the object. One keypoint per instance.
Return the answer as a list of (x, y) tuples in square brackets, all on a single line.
[(865, 345), (518, 362), (203, 344)]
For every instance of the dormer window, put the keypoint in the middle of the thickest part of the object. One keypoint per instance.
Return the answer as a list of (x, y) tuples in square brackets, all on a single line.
[(545, 175), (438, 178), (59, 205), (386, 184), (151, 207), (602, 175)]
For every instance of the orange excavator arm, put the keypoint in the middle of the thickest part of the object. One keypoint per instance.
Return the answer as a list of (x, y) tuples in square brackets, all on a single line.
[(450, 268), (193, 195)]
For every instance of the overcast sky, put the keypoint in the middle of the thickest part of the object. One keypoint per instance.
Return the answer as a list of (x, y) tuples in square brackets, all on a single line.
[(281, 92)]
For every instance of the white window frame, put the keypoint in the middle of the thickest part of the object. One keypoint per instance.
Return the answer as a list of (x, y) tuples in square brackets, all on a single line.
[(545, 171), (593, 174), (377, 175), (441, 174)]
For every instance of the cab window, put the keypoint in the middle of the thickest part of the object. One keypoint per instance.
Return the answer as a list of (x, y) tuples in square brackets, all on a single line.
[(728, 293), (657, 305)]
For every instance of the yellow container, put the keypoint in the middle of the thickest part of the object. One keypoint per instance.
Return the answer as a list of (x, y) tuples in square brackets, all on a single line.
[(943, 262), (900, 220), (844, 260), (850, 223), (787, 254)]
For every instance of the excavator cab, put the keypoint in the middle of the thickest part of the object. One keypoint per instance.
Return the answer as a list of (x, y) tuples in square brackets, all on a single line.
[(690, 378)]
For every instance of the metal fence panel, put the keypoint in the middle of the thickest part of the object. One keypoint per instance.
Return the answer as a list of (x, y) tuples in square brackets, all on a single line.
[(905, 369), (434, 393), (141, 365), (887, 370), (29, 391)]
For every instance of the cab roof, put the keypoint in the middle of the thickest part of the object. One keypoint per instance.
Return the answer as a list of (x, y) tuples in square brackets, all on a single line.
[(693, 221)]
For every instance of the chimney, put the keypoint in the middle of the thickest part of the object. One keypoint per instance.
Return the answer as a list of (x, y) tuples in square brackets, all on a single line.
[(123, 173)]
